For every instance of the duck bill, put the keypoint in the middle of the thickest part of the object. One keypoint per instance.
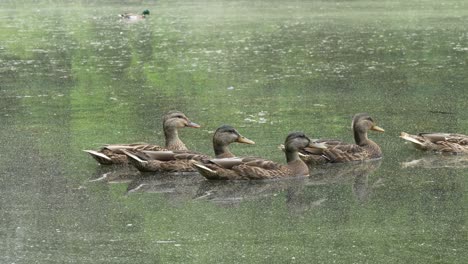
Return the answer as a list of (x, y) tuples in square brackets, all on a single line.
[(193, 125), (377, 128), (245, 140), (317, 145)]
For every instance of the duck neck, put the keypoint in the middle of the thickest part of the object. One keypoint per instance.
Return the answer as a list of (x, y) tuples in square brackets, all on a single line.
[(292, 156), (360, 138), (221, 150), (173, 141), (298, 166)]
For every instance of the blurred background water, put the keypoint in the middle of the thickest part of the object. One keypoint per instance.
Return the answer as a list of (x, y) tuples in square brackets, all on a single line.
[(73, 77)]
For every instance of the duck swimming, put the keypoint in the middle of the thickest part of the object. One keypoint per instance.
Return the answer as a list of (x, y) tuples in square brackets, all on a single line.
[(172, 122), (131, 16), (181, 161), (337, 151), (438, 142), (252, 168)]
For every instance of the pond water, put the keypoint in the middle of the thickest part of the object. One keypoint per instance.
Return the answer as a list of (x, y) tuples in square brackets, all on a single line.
[(74, 77)]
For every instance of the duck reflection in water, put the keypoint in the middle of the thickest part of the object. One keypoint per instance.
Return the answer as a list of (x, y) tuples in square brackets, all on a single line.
[(175, 187), (112, 174), (357, 174), (438, 161), (233, 193), (354, 174), (296, 191)]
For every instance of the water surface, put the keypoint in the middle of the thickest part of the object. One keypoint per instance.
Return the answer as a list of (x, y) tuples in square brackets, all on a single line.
[(74, 77)]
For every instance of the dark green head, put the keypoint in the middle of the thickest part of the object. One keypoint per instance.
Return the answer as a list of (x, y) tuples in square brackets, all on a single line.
[(146, 12)]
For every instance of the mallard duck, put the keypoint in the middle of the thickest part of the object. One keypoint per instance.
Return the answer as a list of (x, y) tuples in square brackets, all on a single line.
[(130, 16), (438, 142), (258, 168), (181, 161), (172, 121), (337, 151)]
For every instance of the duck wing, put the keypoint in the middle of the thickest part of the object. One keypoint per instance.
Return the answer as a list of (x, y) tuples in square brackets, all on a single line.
[(113, 154), (135, 146), (345, 153), (446, 137), (164, 161), (336, 152), (439, 142), (248, 168)]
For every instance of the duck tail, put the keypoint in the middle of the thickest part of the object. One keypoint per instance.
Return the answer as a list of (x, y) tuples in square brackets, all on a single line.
[(410, 138), (136, 161), (206, 172), (99, 157)]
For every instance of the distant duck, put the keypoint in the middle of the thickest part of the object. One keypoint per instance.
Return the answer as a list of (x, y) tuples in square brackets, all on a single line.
[(131, 16), (337, 151), (172, 121), (438, 142), (181, 161), (252, 168)]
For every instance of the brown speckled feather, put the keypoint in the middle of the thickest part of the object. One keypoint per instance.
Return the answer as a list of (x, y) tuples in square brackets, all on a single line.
[(439, 142), (345, 153), (164, 166), (172, 121), (181, 161), (118, 157), (257, 168), (338, 151)]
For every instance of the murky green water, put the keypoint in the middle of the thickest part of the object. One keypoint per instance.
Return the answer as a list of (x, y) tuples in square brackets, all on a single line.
[(74, 77)]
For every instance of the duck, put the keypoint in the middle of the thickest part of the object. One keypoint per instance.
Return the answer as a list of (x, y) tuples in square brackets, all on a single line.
[(181, 161), (254, 168), (446, 143), (131, 16), (337, 151), (172, 121)]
